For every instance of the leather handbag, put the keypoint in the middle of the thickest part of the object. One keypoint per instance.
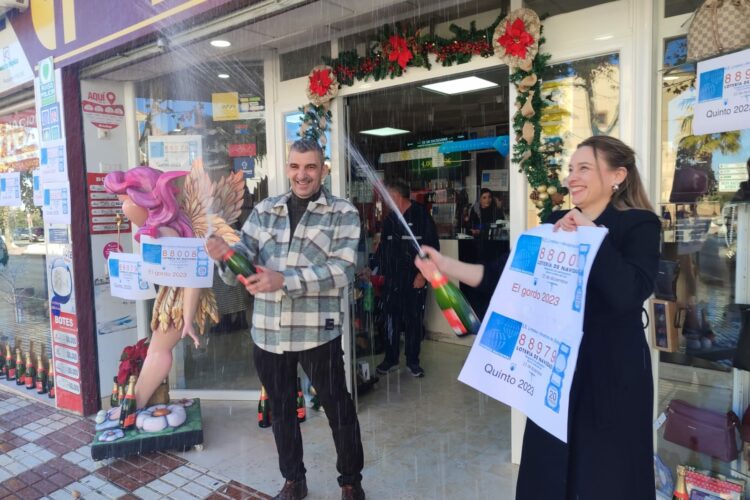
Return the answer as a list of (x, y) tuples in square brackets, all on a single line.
[(718, 26), (666, 280), (702, 430), (689, 184)]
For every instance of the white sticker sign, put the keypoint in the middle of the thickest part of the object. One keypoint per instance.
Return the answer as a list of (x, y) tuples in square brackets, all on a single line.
[(176, 261), (126, 279)]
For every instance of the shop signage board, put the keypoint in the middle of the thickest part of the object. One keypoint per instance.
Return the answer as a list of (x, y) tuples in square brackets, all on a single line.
[(731, 175), (527, 347), (225, 106), (495, 180), (723, 89), (87, 27), (104, 208), (53, 163), (15, 69), (174, 261), (174, 152), (10, 189), (102, 109)]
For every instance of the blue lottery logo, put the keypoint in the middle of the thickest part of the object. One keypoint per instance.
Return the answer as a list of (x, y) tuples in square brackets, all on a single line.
[(711, 84), (501, 335), (527, 254)]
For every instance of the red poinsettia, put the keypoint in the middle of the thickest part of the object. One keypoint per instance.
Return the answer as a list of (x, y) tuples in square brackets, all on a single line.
[(399, 51), (320, 81), (516, 39), (131, 361)]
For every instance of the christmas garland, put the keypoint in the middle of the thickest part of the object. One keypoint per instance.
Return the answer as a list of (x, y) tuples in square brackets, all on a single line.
[(515, 39)]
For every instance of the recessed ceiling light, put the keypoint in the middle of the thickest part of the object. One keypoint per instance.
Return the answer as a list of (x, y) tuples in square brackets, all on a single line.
[(670, 78), (221, 43), (223, 75), (604, 37), (460, 85), (384, 131)]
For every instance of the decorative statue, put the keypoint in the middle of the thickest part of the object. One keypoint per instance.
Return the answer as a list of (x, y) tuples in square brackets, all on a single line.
[(149, 200)]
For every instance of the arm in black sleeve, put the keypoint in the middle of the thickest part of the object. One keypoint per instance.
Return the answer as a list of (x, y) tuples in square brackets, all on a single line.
[(625, 275)]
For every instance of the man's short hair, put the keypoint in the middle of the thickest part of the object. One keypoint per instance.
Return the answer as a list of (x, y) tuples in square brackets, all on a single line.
[(305, 145), (400, 186)]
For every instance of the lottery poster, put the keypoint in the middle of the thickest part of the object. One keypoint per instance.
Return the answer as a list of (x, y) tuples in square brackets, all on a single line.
[(176, 261)]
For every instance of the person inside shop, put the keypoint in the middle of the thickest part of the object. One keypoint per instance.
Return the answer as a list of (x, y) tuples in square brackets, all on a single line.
[(404, 288), (743, 193), (610, 438), (484, 213), (304, 245)]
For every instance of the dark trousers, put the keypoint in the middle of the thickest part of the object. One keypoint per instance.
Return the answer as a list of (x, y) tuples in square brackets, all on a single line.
[(325, 367), (409, 317)]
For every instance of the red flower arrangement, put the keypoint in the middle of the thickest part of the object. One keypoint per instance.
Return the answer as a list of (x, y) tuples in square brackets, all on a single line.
[(131, 361), (516, 40), (321, 81), (398, 51)]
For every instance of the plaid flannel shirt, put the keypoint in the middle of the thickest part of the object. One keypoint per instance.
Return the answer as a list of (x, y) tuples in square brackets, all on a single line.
[(317, 266)]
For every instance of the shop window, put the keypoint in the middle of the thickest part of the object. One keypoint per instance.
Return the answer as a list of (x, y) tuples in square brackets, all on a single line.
[(555, 7), (679, 7), (296, 64), (214, 114), (24, 302), (702, 206)]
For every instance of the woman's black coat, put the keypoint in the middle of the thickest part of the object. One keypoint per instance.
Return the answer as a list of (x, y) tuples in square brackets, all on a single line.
[(610, 449)]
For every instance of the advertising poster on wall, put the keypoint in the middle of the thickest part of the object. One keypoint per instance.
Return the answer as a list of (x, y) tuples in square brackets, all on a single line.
[(56, 202), (102, 110), (105, 210), (126, 277), (174, 152), (10, 189)]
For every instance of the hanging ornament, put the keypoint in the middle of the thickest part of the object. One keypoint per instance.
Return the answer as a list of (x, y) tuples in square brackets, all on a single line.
[(322, 85), (527, 132), (516, 38), (527, 110), (528, 82)]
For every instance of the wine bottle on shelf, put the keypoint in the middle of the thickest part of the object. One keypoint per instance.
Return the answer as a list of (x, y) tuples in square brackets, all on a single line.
[(30, 372), (41, 375), (51, 381), (20, 368), (114, 399), (128, 407), (456, 309), (10, 364), (301, 408), (264, 409), (239, 265), (680, 489)]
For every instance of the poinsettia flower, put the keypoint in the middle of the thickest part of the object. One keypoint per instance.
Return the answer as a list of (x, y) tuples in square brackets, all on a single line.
[(516, 39), (320, 81), (399, 51)]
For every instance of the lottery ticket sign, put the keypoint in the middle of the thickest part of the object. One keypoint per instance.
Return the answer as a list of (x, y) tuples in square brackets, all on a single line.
[(177, 262), (723, 102), (527, 346), (126, 278)]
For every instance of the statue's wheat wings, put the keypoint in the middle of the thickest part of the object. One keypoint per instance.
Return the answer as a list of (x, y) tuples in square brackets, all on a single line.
[(208, 205)]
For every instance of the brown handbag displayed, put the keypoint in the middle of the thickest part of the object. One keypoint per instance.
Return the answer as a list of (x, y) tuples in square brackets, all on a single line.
[(719, 26), (702, 430)]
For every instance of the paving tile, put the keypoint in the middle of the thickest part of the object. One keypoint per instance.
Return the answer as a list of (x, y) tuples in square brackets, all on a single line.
[(187, 472), (197, 490), (92, 481), (147, 493), (175, 479), (182, 495), (142, 475), (161, 486), (59, 495), (29, 477), (28, 493), (209, 482), (13, 484), (111, 491), (45, 487), (127, 483), (60, 479)]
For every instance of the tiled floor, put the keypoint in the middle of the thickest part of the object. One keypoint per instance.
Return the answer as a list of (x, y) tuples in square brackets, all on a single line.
[(427, 438), (46, 454)]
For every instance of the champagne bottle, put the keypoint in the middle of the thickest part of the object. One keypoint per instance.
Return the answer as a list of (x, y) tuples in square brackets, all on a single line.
[(680, 489), (10, 364), (461, 317), (120, 395), (30, 372), (264, 409), (239, 265), (41, 375), (2, 360), (128, 407), (315, 399), (301, 408), (114, 399), (51, 382), (20, 368), (368, 301)]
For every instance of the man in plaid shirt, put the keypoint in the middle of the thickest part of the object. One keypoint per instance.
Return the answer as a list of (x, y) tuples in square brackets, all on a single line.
[(304, 245)]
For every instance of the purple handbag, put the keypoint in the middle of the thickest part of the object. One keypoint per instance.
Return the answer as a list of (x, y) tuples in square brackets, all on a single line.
[(702, 430)]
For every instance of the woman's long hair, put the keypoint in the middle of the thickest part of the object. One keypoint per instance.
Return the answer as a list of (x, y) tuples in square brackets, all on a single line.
[(153, 190), (631, 193)]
